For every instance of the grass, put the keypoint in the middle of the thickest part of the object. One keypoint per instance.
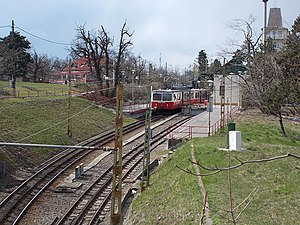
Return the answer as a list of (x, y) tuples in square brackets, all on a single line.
[(174, 197), (171, 196), (30, 89), (44, 120)]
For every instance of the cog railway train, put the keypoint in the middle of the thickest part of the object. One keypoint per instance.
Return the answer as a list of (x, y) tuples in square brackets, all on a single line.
[(171, 100)]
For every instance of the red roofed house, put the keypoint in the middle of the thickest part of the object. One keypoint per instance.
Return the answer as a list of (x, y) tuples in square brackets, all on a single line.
[(80, 72)]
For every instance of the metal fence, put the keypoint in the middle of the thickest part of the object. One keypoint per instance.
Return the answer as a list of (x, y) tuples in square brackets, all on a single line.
[(191, 131), (35, 93)]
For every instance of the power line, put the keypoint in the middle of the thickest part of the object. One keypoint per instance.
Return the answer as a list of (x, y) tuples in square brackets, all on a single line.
[(55, 125), (43, 39), (5, 26)]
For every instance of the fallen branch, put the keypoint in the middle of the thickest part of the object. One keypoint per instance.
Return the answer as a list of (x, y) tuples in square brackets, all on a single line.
[(216, 169), (203, 210)]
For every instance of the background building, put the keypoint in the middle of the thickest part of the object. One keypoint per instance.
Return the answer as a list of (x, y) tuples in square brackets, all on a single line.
[(275, 30)]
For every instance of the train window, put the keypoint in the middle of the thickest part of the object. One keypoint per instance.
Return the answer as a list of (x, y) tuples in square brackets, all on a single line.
[(156, 97), (167, 97), (186, 95)]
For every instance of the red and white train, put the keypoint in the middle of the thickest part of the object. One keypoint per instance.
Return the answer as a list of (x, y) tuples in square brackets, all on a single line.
[(167, 100)]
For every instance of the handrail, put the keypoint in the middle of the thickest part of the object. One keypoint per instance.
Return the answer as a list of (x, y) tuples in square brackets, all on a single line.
[(190, 129)]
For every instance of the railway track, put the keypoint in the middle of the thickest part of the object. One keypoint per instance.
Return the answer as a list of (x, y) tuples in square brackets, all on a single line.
[(92, 206), (15, 205)]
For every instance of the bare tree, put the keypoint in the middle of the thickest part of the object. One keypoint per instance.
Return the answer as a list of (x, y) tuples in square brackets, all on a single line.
[(40, 68), (140, 69), (95, 48), (267, 84), (232, 212), (124, 44), (105, 43)]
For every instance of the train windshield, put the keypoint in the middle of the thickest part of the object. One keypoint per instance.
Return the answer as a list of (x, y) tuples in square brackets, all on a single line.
[(162, 96), (167, 97), (157, 96)]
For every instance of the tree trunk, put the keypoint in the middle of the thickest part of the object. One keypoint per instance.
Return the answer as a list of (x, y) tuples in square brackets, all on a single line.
[(281, 125)]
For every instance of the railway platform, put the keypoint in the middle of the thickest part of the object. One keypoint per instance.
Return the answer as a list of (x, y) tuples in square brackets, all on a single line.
[(203, 124), (134, 110)]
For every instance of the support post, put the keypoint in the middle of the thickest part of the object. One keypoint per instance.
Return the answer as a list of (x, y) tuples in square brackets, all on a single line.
[(69, 129), (116, 195), (209, 121), (265, 21), (210, 103), (222, 96), (148, 133), (14, 49)]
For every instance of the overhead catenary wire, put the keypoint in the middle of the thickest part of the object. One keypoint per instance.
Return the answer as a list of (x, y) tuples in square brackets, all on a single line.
[(12, 132), (15, 104), (5, 26), (54, 125)]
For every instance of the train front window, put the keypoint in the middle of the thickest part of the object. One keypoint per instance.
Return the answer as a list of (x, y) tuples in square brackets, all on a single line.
[(156, 97), (167, 97)]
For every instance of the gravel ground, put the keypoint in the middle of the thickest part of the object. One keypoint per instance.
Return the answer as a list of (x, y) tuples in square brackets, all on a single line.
[(54, 204)]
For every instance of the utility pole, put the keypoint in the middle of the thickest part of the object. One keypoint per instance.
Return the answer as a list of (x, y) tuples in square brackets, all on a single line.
[(264, 43), (222, 96), (69, 129), (116, 195), (148, 133), (13, 79), (160, 61), (132, 86), (265, 21)]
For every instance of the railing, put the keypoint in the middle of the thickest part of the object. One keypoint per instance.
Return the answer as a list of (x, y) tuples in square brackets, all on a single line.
[(192, 131), (36, 93), (227, 117), (134, 106)]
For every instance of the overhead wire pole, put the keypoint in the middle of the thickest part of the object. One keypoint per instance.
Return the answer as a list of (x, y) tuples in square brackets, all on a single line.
[(222, 97), (14, 49), (148, 133), (264, 41), (116, 195), (265, 20), (69, 129)]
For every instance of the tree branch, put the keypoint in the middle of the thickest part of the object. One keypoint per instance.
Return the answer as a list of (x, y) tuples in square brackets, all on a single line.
[(216, 169)]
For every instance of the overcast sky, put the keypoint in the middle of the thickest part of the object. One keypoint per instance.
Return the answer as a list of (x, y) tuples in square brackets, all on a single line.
[(175, 29)]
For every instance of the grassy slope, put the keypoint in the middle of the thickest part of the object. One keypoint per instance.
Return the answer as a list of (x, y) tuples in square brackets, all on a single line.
[(174, 198), (46, 117), (25, 89)]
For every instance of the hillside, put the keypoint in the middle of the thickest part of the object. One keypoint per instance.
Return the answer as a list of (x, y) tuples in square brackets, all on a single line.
[(45, 120), (174, 196)]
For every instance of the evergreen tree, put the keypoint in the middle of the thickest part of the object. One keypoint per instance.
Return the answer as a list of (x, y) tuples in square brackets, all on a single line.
[(236, 64), (290, 62), (14, 55), (215, 68), (202, 64)]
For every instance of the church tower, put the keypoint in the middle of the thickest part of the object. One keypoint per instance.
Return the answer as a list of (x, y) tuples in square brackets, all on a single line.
[(275, 30)]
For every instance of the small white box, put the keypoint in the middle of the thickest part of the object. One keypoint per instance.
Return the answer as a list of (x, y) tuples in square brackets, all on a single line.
[(235, 140)]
